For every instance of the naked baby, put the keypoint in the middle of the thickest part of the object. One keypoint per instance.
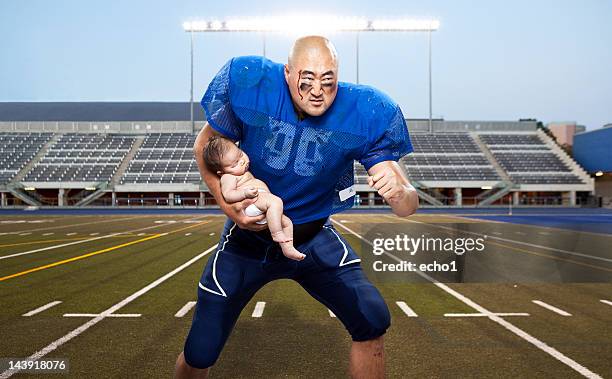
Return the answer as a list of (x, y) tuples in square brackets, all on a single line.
[(223, 157)]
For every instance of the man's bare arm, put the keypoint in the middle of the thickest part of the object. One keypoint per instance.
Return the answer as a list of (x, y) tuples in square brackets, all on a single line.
[(392, 184), (233, 211)]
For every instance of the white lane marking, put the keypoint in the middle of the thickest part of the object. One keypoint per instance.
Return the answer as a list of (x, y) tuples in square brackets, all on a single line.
[(140, 234), (498, 233), (259, 309), (94, 234), (81, 241), (40, 309), (606, 302), (62, 340), (55, 246), (509, 326), (406, 309), (520, 233), (48, 234), (24, 234), (551, 308), (70, 234), (77, 225), (512, 241), (544, 233), (97, 314), (212, 234), (186, 308), (187, 234), (331, 314), (483, 314)]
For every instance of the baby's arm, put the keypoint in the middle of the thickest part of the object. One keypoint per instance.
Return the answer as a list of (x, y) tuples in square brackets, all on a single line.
[(230, 191)]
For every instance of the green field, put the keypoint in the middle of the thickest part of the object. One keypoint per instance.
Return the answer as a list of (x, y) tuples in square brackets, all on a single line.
[(122, 279)]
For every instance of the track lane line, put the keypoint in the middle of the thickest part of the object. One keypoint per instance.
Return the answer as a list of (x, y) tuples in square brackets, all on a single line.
[(493, 317)]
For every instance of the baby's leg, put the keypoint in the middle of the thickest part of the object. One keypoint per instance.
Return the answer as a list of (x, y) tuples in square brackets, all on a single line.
[(280, 225)]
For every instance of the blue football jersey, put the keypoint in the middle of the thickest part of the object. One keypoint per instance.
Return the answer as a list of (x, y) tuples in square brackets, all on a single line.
[(304, 162)]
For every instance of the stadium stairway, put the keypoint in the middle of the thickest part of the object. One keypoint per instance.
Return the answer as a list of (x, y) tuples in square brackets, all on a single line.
[(565, 158), (419, 187), (37, 158), (485, 149), (126, 161), (16, 188)]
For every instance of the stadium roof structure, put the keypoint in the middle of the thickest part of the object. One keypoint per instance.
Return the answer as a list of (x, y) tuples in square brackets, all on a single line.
[(97, 111)]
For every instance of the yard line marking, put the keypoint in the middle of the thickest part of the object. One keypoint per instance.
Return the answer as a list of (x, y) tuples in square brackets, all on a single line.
[(70, 234), (483, 314), (62, 340), (544, 233), (40, 309), (259, 308), (42, 241), (509, 326), (498, 233), (94, 234), (48, 234), (406, 309), (78, 257), (97, 314), (331, 314), (77, 225), (551, 308), (86, 240), (25, 234), (186, 308), (606, 302), (512, 241), (140, 234), (211, 234), (187, 234)]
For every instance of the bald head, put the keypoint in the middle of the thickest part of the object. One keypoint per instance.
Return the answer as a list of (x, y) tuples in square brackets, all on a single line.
[(312, 75), (312, 47)]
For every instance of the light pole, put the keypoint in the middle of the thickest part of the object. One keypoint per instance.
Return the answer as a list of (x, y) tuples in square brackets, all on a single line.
[(291, 24), (191, 88)]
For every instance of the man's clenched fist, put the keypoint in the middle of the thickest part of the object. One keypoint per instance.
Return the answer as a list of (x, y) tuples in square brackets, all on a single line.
[(389, 185)]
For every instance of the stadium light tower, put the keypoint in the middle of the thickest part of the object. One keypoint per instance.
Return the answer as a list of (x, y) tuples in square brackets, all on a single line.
[(294, 24)]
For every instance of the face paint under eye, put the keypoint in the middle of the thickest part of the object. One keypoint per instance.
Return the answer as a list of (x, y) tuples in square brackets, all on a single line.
[(298, 85)]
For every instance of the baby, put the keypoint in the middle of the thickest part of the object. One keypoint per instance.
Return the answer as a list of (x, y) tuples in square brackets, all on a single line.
[(223, 157)]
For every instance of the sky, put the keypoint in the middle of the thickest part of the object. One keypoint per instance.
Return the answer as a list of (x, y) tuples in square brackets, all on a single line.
[(491, 60)]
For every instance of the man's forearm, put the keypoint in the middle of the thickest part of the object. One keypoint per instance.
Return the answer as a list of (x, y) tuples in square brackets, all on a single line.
[(210, 178)]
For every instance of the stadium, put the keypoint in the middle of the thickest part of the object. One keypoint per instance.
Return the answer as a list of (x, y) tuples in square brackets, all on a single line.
[(106, 225)]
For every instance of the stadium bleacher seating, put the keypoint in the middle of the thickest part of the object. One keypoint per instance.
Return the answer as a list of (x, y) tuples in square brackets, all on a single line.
[(16, 150), (164, 158), (448, 157), (528, 160), (82, 158)]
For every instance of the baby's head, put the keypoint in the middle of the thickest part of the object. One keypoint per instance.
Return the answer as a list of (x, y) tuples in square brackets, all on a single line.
[(222, 156)]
